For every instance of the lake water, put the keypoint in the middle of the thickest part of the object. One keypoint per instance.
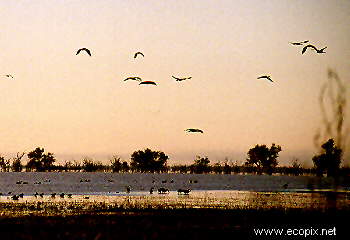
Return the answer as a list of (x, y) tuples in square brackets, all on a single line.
[(207, 190)]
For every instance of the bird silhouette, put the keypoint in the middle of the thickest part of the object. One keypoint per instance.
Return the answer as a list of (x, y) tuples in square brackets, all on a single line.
[(9, 76), (299, 43), (151, 190), (267, 77), (84, 49), (194, 130), (313, 47), (138, 53), (15, 197), (147, 82), (181, 79), (133, 78)]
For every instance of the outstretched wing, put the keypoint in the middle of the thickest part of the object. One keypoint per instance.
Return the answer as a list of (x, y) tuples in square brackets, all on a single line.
[(138, 54), (9, 76), (193, 130), (88, 51), (267, 77), (296, 43), (84, 49), (181, 79), (147, 82), (133, 78), (308, 46), (299, 43)]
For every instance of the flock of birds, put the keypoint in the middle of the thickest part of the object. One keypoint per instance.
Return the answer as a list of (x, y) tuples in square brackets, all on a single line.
[(160, 190), (192, 130), (179, 79), (268, 77)]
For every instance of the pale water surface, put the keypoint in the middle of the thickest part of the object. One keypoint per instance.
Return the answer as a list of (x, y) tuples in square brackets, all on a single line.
[(207, 190)]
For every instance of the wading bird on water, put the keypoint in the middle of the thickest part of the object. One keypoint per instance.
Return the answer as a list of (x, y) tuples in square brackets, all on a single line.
[(83, 49), (181, 79), (267, 77), (194, 130), (138, 53), (313, 47), (147, 82), (183, 191)]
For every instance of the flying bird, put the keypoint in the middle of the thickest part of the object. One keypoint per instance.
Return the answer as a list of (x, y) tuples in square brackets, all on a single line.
[(83, 49), (194, 130), (181, 79), (313, 47), (138, 53), (267, 77), (133, 78), (299, 43), (9, 76), (147, 82)]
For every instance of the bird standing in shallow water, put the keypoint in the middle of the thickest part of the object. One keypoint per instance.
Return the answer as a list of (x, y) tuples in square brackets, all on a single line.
[(84, 49)]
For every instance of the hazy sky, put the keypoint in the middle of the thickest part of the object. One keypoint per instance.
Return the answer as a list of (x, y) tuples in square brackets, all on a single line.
[(76, 105)]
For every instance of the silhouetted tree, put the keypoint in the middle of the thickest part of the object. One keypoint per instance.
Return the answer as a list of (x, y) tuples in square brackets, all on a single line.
[(328, 161), (227, 169), (17, 164), (149, 161), (264, 158), (72, 166), (35, 157), (180, 168), (125, 167), (201, 165), (217, 168), (116, 165), (4, 164), (296, 168), (47, 161), (90, 166), (39, 161)]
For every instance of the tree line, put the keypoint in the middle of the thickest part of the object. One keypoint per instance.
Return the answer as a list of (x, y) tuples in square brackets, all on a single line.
[(260, 160)]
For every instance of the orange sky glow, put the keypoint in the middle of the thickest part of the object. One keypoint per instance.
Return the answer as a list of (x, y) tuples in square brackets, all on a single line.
[(77, 105)]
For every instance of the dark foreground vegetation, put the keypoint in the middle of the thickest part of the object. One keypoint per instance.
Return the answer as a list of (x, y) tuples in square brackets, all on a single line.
[(174, 224)]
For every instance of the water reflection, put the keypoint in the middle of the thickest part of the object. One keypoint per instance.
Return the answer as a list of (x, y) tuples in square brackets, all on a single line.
[(196, 199)]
